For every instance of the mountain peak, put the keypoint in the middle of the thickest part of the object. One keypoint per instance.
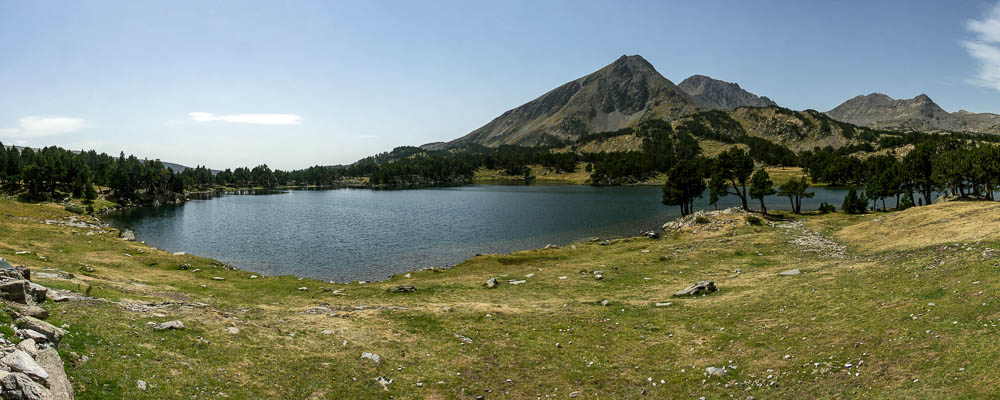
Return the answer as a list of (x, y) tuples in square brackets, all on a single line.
[(717, 94), (618, 95)]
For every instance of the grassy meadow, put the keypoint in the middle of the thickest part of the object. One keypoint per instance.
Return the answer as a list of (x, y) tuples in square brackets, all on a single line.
[(888, 305)]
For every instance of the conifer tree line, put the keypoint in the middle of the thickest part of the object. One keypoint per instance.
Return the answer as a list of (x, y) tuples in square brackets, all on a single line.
[(957, 163)]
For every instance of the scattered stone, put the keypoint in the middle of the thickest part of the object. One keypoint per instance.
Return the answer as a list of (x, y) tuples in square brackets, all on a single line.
[(491, 283), (714, 371), (179, 253), (667, 304), (407, 275), (403, 289), (372, 356), (598, 276), (517, 282), (232, 330), (184, 267), (254, 277), (15, 291), (303, 288), (791, 272), (463, 339), (700, 287), (605, 302), (384, 382), (128, 235), (141, 384), (218, 278), (651, 234), (574, 395), (563, 277), (175, 324)]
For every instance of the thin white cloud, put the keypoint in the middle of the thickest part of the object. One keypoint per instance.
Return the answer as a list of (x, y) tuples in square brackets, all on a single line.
[(33, 126), (367, 137), (257, 119), (985, 48)]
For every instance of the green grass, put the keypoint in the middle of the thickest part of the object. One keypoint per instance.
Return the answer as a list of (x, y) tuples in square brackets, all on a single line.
[(839, 311)]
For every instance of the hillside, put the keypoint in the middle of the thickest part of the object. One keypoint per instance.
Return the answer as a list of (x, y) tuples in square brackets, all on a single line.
[(920, 113), (623, 93), (797, 130), (721, 95), (856, 321)]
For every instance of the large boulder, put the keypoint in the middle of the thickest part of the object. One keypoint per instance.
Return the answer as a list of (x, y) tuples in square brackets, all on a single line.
[(52, 334), (16, 291), (128, 235), (20, 387), (37, 292), (21, 361), (48, 358), (700, 287)]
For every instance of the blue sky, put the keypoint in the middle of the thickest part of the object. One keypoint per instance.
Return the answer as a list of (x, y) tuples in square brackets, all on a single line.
[(299, 83)]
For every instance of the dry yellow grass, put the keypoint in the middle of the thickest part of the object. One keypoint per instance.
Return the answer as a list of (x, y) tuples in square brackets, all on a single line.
[(954, 221)]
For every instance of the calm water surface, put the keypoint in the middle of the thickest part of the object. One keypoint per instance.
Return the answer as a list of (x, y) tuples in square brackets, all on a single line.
[(358, 234)]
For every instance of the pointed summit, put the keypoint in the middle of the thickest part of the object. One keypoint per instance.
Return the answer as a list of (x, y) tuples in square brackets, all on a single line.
[(722, 95), (620, 94)]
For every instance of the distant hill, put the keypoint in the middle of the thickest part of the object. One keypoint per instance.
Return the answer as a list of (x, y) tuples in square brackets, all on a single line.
[(721, 95), (920, 113), (797, 130), (621, 94)]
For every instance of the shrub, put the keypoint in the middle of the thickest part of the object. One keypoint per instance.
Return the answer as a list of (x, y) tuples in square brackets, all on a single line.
[(701, 220), (825, 208), (752, 220)]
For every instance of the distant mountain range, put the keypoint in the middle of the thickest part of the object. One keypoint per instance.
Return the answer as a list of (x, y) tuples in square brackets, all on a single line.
[(920, 113), (630, 90)]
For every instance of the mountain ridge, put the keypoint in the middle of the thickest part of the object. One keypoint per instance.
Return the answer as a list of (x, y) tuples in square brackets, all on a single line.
[(722, 95), (920, 113)]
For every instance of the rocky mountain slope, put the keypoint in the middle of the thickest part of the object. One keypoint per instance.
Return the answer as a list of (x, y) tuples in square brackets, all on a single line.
[(623, 93), (920, 113), (722, 95)]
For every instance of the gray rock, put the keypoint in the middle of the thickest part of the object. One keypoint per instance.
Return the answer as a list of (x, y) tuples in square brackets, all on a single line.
[(30, 334), (37, 292), (52, 333), (20, 361), (128, 235), (16, 291), (184, 267), (29, 310), (403, 289), (791, 272), (58, 383), (491, 283), (175, 324), (700, 287), (372, 356), (141, 384), (714, 371), (28, 346), (463, 339), (18, 386), (605, 302), (232, 330)]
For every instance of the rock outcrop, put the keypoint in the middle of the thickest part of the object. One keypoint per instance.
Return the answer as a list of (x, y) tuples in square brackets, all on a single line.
[(31, 369)]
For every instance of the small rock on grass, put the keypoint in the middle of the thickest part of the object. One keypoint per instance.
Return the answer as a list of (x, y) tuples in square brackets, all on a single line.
[(700, 287), (491, 283), (372, 356), (791, 272), (141, 384), (175, 324), (715, 371)]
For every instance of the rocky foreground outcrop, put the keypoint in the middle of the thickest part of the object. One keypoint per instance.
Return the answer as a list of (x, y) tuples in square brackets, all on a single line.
[(30, 366)]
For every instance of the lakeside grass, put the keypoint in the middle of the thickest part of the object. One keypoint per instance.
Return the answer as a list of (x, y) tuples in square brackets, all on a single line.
[(788, 337)]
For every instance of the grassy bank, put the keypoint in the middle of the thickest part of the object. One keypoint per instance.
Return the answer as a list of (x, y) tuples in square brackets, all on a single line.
[(905, 319)]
